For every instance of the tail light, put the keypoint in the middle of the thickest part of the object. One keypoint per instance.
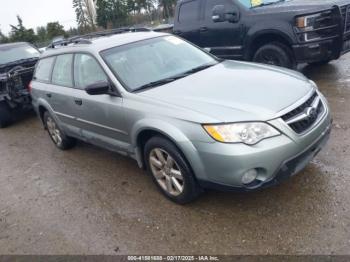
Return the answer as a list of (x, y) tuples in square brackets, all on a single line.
[(30, 86)]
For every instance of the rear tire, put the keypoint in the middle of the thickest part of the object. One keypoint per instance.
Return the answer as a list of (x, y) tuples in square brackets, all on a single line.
[(276, 54), (5, 115), (57, 136), (170, 171)]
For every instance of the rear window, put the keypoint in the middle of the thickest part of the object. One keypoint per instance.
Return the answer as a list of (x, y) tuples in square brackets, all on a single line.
[(189, 12), (43, 69), (62, 72)]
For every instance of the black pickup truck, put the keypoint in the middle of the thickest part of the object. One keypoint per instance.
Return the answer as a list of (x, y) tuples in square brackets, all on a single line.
[(277, 32), (17, 63)]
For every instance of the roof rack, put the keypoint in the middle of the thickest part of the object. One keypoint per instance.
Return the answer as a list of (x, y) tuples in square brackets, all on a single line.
[(84, 39)]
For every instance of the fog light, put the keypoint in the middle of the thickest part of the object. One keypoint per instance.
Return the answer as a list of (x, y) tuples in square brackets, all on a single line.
[(249, 176)]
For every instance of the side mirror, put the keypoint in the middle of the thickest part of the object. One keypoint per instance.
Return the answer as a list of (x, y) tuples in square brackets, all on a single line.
[(99, 88), (220, 14)]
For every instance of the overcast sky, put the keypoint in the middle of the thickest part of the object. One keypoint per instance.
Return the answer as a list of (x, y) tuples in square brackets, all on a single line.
[(36, 13)]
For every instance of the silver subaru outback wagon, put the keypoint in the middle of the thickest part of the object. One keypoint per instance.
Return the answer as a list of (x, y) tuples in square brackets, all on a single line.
[(191, 120)]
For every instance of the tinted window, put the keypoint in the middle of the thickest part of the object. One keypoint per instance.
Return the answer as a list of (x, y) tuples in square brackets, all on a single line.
[(87, 71), (43, 69), (189, 12), (62, 72)]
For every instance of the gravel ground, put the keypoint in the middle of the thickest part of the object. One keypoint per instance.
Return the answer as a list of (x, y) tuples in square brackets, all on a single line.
[(91, 201)]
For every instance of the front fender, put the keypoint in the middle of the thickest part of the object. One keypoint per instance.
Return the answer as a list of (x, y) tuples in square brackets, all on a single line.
[(172, 132), (283, 31)]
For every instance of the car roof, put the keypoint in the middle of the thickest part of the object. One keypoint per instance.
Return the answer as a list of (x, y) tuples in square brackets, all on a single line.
[(95, 45)]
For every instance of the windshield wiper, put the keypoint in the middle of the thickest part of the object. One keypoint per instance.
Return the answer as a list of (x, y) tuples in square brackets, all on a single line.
[(199, 68), (156, 83), (173, 78)]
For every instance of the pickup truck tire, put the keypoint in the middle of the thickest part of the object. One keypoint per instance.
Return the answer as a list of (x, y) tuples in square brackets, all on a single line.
[(276, 54), (165, 163), (5, 115), (57, 136)]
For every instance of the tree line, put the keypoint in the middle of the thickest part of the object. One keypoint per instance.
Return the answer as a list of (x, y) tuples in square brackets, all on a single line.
[(109, 14), (116, 13), (42, 36)]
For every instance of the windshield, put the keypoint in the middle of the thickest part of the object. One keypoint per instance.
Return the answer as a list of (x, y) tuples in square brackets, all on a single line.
[(14, 52), (255, 3), (154, 61)]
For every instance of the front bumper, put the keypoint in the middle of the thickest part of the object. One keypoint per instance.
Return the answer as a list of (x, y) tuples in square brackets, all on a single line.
[(221, 166), (317, 51)]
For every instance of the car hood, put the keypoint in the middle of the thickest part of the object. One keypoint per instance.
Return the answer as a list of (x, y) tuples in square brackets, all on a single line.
[(302, 6), (234, 91)]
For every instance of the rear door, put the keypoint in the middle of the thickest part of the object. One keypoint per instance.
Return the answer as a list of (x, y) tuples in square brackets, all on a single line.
[(223, 38), (187, 24), (60, 91)]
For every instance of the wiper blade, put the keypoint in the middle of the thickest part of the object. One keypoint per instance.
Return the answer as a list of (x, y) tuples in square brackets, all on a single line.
[(156, 83), (174, 78), (199, 68)]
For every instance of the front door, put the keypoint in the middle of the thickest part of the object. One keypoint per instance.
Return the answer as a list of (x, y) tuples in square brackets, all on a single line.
[(223, 38), (100, 117)]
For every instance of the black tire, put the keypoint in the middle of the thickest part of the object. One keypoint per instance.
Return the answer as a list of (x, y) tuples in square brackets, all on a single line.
[(65, 142), (5, 115), (320, 63), (191, 189), (275, 54)]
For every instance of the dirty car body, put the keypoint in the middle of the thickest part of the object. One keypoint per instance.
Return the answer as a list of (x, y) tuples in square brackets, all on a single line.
[(17, 64), (220, 124)]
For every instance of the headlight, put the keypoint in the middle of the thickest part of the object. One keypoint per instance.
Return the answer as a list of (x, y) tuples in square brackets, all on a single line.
[(249, 133), (307, 21), (307, 24)]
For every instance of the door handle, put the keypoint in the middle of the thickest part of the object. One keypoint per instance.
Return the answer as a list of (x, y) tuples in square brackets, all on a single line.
[(203, 29), (49, 95), (79, 102)]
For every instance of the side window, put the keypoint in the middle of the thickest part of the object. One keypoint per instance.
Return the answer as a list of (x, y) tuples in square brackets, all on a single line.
[(210, 6), (62, 72), (87, 71), (43, 69), (189, 12)]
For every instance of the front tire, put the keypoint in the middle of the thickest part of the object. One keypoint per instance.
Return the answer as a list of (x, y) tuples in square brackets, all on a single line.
[(57, 136), (170, 171), (5, 115), (276, 54)]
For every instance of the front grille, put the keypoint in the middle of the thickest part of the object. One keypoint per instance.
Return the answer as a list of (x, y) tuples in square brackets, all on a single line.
[(345, 13), (303, 117)]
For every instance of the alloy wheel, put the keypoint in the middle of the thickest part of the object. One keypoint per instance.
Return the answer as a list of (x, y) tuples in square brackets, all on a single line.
[(166, 172), (54, 132)]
